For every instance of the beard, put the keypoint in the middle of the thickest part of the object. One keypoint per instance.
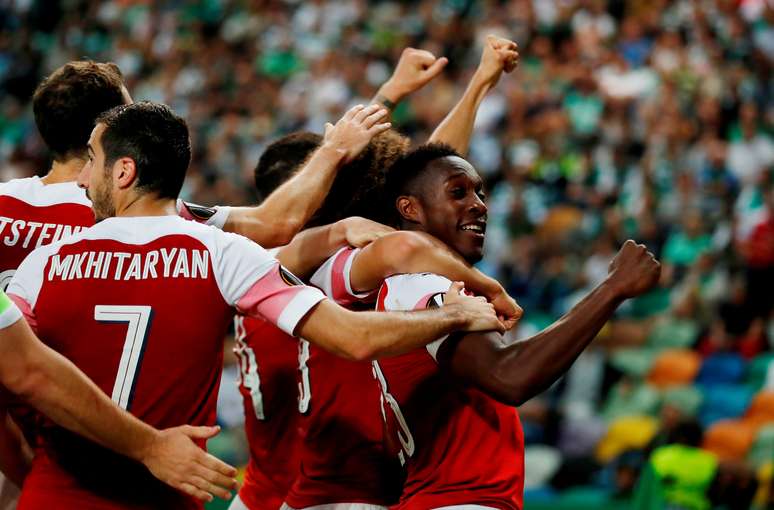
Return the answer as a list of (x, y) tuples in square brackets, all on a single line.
[(101, 202)]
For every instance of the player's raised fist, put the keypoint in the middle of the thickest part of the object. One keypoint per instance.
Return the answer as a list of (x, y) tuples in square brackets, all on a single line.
[(634, 270), (414, 70), (499, 55), (350, 135), (477, 314)]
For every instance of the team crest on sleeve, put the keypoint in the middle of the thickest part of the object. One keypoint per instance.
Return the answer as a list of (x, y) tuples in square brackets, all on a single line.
[(199, 212), (289, 277)]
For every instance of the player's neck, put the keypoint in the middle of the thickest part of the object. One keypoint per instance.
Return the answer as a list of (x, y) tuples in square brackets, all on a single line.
[(146, 204), (64, 171)]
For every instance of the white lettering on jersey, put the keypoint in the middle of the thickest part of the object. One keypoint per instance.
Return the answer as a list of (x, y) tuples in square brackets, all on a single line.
[(130, 266), (25, 231)]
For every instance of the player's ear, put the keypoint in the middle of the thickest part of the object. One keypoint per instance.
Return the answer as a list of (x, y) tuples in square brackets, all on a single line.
[(124, 172), (409, 208)]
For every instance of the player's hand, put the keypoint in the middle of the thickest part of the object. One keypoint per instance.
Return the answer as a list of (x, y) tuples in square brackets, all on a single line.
[(360, 232), (176, 460), (508, 311), (499, 55), (415, 69), (354, 130), (634, 270), (478, 314)]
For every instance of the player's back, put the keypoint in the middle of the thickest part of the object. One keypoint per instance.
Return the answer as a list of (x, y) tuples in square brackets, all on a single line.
[(342, 458), (138, 304), (459, 446), (33, 214), (269, 382)]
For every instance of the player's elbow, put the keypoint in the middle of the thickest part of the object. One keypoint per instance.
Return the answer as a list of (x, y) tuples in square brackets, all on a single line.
[(510, 389), (25, 378), (404, 249), (284, 231)]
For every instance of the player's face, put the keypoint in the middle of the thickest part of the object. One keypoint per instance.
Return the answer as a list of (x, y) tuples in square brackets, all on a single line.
[(453, 208), (96, 179)]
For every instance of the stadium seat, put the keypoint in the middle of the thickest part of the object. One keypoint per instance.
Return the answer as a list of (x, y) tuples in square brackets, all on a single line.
[(686, 399), (634, 362), (628, 433), (544, 462), (723, 401), (758, 369), (722, 368), (762, 450), (673, 334), (762, 407), (729, 439), (627, 398), (676, 367)]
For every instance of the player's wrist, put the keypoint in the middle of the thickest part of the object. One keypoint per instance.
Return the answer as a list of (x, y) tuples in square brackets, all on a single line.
[(331, 152), (390, 94)]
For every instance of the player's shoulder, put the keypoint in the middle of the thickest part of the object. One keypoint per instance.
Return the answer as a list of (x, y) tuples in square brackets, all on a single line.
[(34, 192), (411, 291)]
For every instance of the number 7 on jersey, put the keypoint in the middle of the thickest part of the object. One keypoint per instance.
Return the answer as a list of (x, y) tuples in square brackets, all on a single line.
[(138, 319)]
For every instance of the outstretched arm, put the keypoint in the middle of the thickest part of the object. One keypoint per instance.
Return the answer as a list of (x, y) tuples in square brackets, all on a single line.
[(457, 127), (514, 373), (415, 69), (58, 389), (310, 248), (289, 207), (372, 335), (418, 252)]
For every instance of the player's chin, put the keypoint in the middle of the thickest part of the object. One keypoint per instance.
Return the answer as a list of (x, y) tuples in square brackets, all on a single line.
[(471, 248)]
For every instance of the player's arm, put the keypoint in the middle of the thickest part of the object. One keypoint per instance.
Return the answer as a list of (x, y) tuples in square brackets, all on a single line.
[(418, 252), (289, 207), (372, 335), (515, 373), (457, 127), (415, 69), (311, 247), (57, 388), (15, 459)]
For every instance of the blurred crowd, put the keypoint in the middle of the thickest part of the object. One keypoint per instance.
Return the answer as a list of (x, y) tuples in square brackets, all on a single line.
[(644, 119)]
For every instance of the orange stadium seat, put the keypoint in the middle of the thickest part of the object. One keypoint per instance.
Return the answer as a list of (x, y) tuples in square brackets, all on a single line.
[(729, 439), (674, 367)]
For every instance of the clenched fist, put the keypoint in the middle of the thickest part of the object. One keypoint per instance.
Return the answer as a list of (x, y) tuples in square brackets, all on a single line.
[(634, 270), (499, 55), (414, 70)]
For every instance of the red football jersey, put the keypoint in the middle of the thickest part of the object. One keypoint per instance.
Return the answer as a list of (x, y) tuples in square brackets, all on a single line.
[(34, 214), (459, 446), (141, 305), (343, 459), (269, 382)]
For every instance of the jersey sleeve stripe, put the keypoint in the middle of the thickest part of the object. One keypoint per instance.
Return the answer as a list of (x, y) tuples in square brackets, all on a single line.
[(9, 313), (279, 302)]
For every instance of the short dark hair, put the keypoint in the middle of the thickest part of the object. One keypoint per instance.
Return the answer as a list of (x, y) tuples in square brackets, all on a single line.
[(407, 172), (155, 138), (281, 159), (67, 103)]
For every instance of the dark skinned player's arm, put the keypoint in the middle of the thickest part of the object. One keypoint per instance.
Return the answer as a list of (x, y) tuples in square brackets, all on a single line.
[(275, 221), (311, 247), (515, 373), (417, 252)]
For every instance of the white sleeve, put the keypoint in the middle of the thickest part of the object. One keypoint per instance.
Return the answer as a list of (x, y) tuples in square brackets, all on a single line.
[(255, 283), (415, 292), (213, 216), (333, 278)]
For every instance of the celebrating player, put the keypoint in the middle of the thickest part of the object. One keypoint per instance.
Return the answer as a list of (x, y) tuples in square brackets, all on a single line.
[(135, 272), (57, 388), (448, 406)]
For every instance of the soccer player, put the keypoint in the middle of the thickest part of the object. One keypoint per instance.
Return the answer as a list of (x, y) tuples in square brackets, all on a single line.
[(57, 388), (279, 383), (157, 292), (448, 407)]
